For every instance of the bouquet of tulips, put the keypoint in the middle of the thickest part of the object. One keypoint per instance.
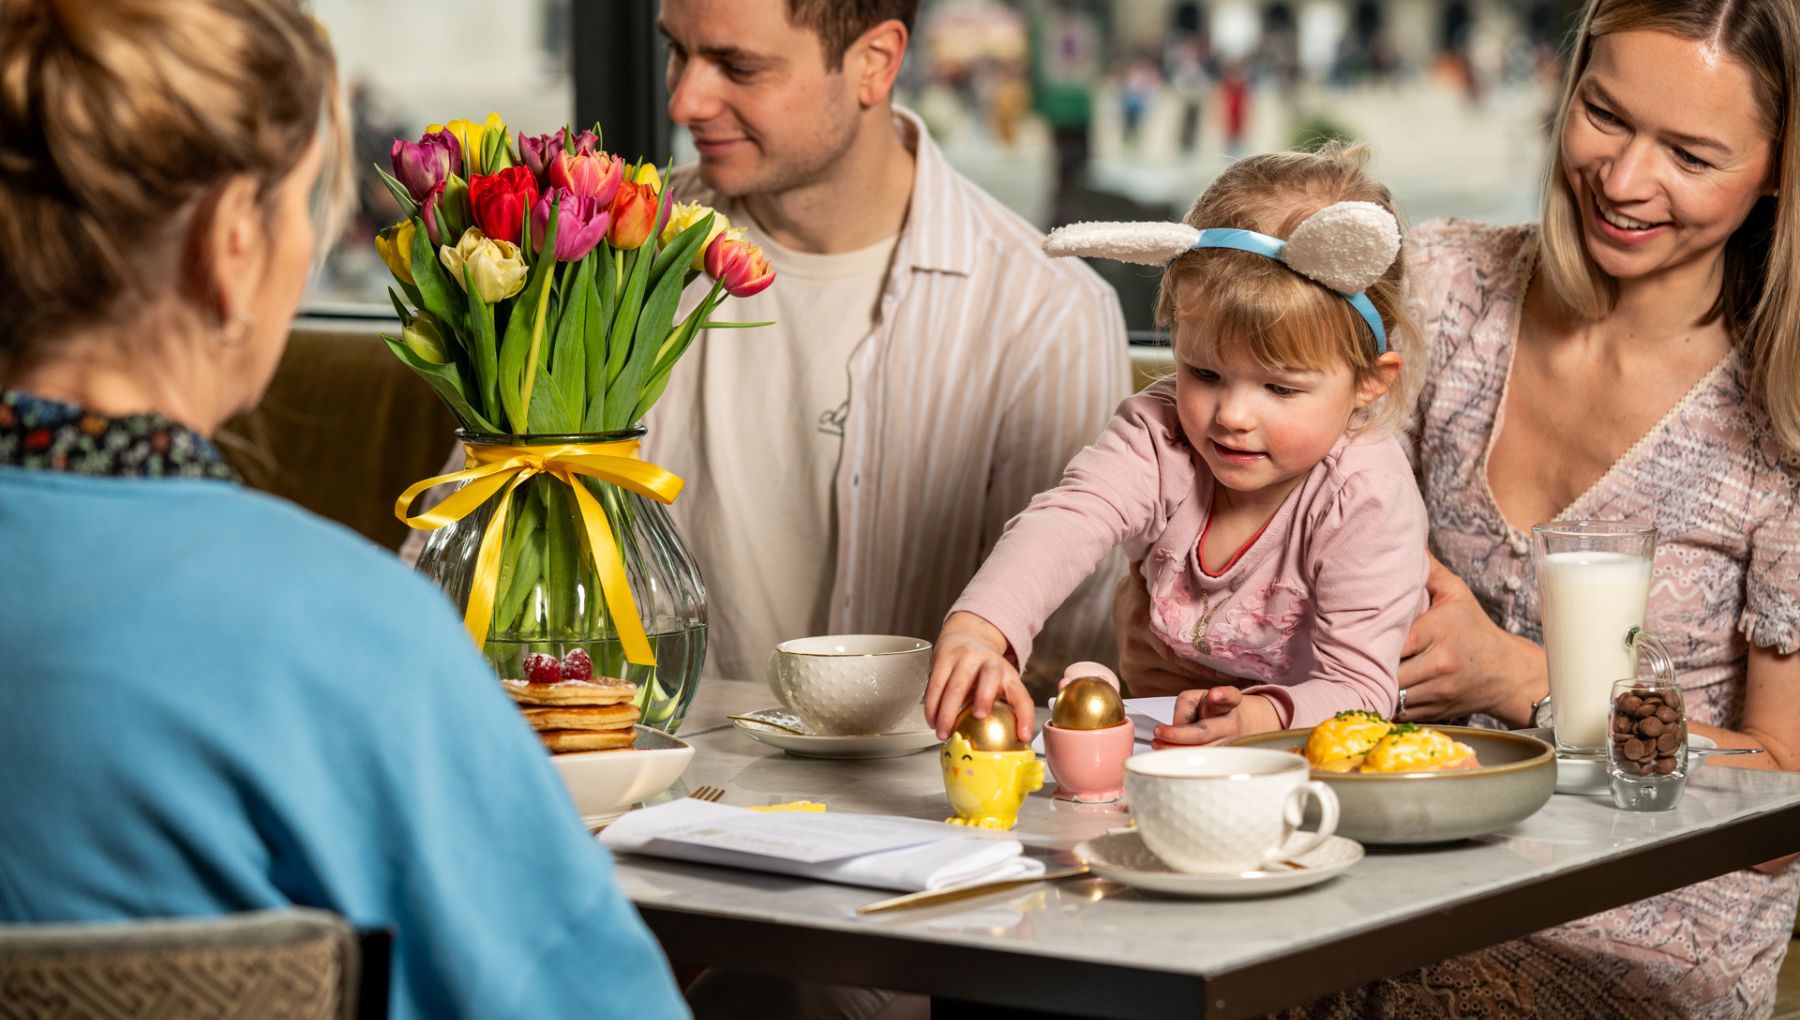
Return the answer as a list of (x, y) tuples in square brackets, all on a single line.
[(541, 282), (538, 287)]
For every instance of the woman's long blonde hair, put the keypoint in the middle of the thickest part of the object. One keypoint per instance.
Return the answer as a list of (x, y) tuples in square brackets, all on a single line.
[(120, 120), (1280, 318), (1758, 302)]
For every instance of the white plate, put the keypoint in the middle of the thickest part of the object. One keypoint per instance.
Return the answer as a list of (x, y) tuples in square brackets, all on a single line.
[(1587, 777), (818, 745), (1123, 857), (604, 784)]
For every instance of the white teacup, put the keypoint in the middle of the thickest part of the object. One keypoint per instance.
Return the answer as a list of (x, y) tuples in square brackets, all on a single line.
[(851, 683), (1224, 809)]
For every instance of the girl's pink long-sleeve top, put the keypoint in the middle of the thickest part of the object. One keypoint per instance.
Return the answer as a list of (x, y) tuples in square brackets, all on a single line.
[(1314, 611)]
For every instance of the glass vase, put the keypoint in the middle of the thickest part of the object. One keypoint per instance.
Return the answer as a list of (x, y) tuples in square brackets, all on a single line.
[(547, 597)]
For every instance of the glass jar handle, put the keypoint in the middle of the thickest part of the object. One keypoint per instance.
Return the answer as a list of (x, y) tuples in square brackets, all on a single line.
[(1662, 666)]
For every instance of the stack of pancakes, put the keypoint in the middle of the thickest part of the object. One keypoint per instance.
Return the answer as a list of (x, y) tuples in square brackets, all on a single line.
[(579, 715)]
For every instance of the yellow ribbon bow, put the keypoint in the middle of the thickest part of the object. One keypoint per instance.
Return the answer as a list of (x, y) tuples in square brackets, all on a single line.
[(502, 469)]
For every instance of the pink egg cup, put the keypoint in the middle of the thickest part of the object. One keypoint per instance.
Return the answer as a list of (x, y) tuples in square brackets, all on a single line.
[(1089, 765)]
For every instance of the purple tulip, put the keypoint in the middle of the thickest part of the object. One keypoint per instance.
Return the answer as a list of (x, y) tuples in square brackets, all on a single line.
[(538, 150), (423, 165), (428, 210), (581, 223), (587, 143)]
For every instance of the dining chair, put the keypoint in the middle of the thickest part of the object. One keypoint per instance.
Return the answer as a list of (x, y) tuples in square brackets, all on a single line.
[(292, 964)]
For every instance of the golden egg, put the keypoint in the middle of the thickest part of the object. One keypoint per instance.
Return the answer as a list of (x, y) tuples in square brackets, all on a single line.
[(995, 733), (1088, 703)]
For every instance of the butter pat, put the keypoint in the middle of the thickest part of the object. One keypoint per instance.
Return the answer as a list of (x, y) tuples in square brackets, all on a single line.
[(792, 805)]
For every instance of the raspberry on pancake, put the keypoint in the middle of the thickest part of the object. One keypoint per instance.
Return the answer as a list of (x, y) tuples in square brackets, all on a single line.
[(602, 691)]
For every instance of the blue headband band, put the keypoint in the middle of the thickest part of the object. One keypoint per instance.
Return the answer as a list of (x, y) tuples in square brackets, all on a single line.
[(1271, 247)]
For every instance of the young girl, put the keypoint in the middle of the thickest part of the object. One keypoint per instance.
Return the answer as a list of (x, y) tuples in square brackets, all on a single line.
[(1284, 533)]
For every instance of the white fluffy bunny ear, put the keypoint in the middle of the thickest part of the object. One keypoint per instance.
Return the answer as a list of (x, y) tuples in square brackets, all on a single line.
[(1346, 246), (1147, 244)]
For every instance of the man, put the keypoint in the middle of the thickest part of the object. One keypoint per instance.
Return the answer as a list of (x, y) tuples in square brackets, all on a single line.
[(930, 369)]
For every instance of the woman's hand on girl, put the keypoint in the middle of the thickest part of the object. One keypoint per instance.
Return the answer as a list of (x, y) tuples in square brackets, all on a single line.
[(1215, 715), (1148, 667), (969, 668), (1456, 662)]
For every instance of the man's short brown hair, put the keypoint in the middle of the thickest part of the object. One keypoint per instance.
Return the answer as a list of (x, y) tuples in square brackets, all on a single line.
[(838, 23)]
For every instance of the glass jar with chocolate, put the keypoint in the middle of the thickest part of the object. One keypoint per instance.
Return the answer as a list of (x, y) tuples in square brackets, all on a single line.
[(1647, 752)]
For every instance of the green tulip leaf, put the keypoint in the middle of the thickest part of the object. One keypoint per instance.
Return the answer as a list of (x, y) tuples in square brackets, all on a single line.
[(653, 325), (554, 409), (437, 294), (445, 381), (568, 352), (405, 313), (518, 346), (482, 354), (526, 554), (408, 207), (595, 313)]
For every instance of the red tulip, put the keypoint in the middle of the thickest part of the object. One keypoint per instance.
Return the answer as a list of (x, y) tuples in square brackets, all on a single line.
[(500, 201), (738, 264)]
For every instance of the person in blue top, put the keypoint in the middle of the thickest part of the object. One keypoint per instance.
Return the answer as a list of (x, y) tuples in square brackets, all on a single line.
[(211, 701)]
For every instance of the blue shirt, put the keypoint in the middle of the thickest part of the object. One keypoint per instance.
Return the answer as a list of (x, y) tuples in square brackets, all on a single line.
[(212, 701)]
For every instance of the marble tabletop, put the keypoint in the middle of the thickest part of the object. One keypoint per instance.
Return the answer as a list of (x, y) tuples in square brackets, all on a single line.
[(1091, 947)]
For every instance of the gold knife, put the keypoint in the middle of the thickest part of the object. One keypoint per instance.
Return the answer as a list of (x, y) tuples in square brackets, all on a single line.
[(932, 898)]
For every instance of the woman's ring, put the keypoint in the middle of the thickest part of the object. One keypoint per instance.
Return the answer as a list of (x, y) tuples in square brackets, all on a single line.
[(1400, 706)]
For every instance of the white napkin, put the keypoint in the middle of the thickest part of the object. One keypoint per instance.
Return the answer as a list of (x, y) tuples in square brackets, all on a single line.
[(931, 855)]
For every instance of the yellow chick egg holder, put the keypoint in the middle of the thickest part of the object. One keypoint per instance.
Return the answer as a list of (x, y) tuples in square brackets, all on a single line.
[(986, 788)]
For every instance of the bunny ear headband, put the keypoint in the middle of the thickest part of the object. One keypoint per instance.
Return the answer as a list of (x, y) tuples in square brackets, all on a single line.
[(1346, 246)]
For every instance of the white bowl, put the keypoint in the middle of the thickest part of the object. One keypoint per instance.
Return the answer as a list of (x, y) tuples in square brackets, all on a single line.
[(851, 684), (604, 784)]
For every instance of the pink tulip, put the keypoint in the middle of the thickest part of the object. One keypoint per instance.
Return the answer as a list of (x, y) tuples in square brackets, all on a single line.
[(738, 264), (595, 176), (581, 223)]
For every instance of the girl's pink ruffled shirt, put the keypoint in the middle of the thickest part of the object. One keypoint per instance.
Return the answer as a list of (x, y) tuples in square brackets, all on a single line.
[(1313, 613)]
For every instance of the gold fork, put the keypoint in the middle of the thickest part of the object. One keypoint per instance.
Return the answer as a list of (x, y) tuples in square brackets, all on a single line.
[(709, 794)]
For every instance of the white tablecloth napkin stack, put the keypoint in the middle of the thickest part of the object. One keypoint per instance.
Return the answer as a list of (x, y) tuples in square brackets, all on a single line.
[(881, 851)]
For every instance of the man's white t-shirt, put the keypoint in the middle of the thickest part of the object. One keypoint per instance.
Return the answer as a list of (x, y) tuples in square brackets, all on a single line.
[(771, 557)]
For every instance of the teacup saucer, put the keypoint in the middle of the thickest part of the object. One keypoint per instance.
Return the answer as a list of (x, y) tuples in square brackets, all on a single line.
[(1123, 857), (819, 745)]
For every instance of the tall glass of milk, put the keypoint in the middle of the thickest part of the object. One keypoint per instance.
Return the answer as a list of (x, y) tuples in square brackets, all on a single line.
[(1594, 578)]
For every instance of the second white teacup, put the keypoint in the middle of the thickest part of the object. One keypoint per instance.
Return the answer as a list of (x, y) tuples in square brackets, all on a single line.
[(851, 683), (1224, 809)]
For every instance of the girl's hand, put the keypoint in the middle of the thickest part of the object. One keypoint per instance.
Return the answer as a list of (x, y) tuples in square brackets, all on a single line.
[(1147, 667), (969, 668), (1215, 715), (1457, 662)]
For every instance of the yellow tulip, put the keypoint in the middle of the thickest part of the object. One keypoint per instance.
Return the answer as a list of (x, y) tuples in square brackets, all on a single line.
[(496, 269), (472, 136), (394, 245), (685, 215), (647, 174)]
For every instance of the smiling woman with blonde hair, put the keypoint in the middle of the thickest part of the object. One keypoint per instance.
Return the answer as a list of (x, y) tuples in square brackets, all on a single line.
[(209, 700), (1635, 356)]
